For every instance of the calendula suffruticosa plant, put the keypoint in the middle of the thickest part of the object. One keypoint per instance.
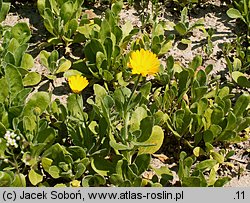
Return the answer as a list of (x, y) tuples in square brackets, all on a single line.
[(61, 19)]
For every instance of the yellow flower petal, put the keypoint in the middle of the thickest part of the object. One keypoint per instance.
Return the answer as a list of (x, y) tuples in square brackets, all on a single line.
[(77, 83), (144, 62)]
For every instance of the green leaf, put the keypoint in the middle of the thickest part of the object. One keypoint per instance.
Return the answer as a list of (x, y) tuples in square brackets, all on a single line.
[(100, 57), (29, 124), (215, 129), (191, 182), (46, 163), (201, 77), (3, 91), (97, 180), (118, 34), (21, 96), (142, 161), (198, 151), (183, 81), (5, 179), (224, 92), (2, 131), (117, 7), (107, 76), (100, 93), (217, 115), (67, 11), (75, 106), (243, 82), (108, 44), (71, 72), (91, 49), (234, 13), (31, 79), (231, 121), (119, 146), (212, 175), (241, 79), (184, 14), (159, 30), (245, 123), (54, 171), (9, 58), (165, 47), (35, 177), (18, 54), (222, 181), (146, 127), (202, 106), (41, 6), (206, 164), (209, 68), (44, 55), (196, 62), (137, 116), (14, 80), (4, 9), (226, 135), (102, 166), (21, 32), (181, 28), (46, 135), (218, 157), (237, 64), (208, 136), (186, 41), (39, 100), (156, 139), (64, 66), (241, 105), (27, 61), (71, 27), (229, 154), (85, 30), (52, 61), (116, 179), (19, 181), (80, 169)]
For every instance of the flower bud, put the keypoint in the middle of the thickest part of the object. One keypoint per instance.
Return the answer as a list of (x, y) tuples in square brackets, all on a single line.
[(37, 111)]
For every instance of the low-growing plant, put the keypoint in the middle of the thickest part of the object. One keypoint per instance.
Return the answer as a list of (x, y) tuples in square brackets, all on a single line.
[(185, 3), (184, 29), (208, 48), (240, 61), (14, 52), (61, 19), (156, 41), (242, 12), (198, 111), (105, 46), (4, 9), (202, 174), (53, 63)]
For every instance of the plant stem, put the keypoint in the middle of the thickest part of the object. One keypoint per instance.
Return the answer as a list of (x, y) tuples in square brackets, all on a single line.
[(16, 166), (126, 113), (37, 130), (133, 91)]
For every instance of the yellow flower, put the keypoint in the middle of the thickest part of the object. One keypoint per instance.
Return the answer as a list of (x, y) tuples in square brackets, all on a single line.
[(77, 83), (91, 22), (144, 62)]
